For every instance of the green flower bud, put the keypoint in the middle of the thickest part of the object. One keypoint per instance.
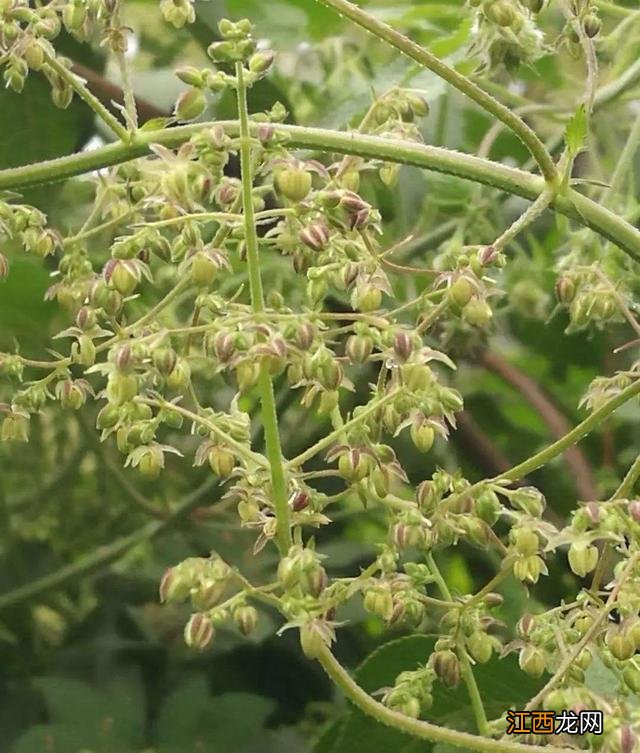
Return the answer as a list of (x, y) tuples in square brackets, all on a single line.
[(151, 462), (74, 14), (532, 661), (631, 677), (246, 618), (121, 388), (313, 638), (15, 428), (190, 75), (108, 417), (529, 568), (379, 602), (165, 360), (354, 465), (178, 12), (529, 500), (477, 312), (525, 541), (190, 104), (222, 461), (359, 348), (261, 61), (422, 434), (204, 269), (70, 394), (501, 12), (592, 25), (247, 373), (480, 646), (461, 291), (199, 631), (124, 277), (583, 558), (487, 506), (366, 298), (565, 289), (620, 644), (179, 378)]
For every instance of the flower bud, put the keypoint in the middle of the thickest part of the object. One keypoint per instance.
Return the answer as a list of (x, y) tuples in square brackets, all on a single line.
[(294, 183), (70, 394), (121, 388), (313, 638), (633, 509), (179, 377), (246, 618), (565, 290), (529, 568), (379, 602), (620, 644), (447, 667), (480, 646), (15, 428), (199, 631), (366, 298), (123, 276), (583, 558), (402, 346), (592, 25), (359, 348), (108, 417), (532, 661), (422, 434), (477, 312), (461, 291), (261, 61), (315, 236), (165, 360), (222, 461), (190, 104), (501, 12), (247, 373), (529, 500), (353, 465)]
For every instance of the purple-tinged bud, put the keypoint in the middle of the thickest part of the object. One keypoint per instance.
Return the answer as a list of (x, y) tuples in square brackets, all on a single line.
[(353, 203), (299, 501), (165, 360), (246, 618), (402, 346), (224, 346), (315, 236), (86, 318), (565, 290), (124, 358), (633, 509), (304, 336), (446, 665), (487, 255), (359, 348), (199, 631)]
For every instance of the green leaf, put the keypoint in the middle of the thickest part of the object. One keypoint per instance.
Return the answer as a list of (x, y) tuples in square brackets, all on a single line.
[(576, 131), (502, 685), (191, 720)]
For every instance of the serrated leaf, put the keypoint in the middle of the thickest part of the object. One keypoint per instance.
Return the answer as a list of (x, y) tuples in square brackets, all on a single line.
[(576, 131)]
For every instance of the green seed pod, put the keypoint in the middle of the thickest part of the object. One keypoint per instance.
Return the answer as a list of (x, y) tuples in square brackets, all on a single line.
[(190, 104), (199, 631), (359, 348)]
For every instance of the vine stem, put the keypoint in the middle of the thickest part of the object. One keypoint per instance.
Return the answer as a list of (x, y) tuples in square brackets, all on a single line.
[(512, 180), (465, 85), (465, 665), (568, 440), (416, 727), (265, 385), (76, 83)]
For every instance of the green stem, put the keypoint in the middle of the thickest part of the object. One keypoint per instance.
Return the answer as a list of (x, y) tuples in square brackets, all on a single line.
[(526, 218), (625, 490), (340, 431), (557, 448), (416, 727), (383, 31), (465, 665), (75, 82), (265, 385), (519, 182)]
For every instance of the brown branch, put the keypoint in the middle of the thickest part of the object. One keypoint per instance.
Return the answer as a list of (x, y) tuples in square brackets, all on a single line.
[(108, 93), (549, 413)]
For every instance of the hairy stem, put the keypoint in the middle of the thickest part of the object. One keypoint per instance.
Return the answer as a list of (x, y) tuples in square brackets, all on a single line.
[(519, 182), (415, 727), (265, 385), (465, 665)]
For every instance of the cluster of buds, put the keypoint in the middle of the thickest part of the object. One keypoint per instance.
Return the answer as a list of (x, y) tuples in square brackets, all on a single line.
[(588, 296), (411, 693), (505, 32), (28, 226)]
